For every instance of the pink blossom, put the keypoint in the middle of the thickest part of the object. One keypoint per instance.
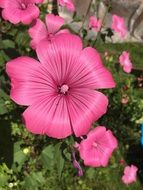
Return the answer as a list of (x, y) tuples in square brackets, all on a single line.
[(39, 31), (125, 61), (130, 174), (94, 23), (16, 11), (60, 89), (68, 4), (97, 148), (118, 25)]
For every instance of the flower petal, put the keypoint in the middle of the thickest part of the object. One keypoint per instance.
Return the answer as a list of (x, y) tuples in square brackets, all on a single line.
[(2, 3), (29, 14), (49, 116), (60, 55), (88, 104), (12, 15), (29, 81), (37, 32), (54, 23), (90, 72)]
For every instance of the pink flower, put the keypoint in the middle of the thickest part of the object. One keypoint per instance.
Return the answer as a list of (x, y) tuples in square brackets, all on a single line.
[(130, 173), (68, 4), (98, 147), (125, 61), (118, 25), (39, 31), (94, 23), (16, 11), (60, 89)]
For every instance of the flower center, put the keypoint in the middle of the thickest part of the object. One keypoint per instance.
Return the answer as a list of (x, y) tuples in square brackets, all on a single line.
[(23, 6), (64, 89), (95, 145)]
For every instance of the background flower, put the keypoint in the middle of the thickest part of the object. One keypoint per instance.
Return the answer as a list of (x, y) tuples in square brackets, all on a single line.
[(16, 11), (97, 148), (94, 23), (125, 61), (68, 4), (39, 31), (118, 25), (60, 89), (130, 174)]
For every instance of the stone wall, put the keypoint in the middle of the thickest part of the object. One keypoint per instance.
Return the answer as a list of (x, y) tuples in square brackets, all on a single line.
[(131, 10)]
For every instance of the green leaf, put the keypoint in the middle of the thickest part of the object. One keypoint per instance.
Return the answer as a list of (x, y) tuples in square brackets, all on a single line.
[(59, 160), (8, 44), (19, 156), (47, 156), (33, 181)]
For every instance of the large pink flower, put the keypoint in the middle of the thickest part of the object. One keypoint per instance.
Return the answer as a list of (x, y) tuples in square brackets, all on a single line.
[(118, 25), (59, 89), (94, 23), (97, 148), (39, 31), (16, 11), (68, 4), (125, 61), (130, 174)]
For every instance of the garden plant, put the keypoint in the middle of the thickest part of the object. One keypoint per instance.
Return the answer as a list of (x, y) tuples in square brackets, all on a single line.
[(71, 100)]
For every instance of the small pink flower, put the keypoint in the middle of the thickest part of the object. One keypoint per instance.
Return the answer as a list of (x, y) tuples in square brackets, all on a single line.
[(94, 23), (125, 61), (39, 31), (68, 4), (59, 90), (130, 174), (16, 11), (118, 25), (98, 147)]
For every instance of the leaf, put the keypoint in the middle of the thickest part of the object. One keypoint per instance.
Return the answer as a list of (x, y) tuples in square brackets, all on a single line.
[(47, 156), (19, 156), (8, 44), (34, 180), (59, 160)]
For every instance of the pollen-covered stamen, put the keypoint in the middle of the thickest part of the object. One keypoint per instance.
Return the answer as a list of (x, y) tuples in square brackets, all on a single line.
[(95, 145), (23, 6), (64, 89)]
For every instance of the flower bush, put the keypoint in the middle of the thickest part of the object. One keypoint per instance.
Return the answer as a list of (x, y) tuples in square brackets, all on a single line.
[(69, 94)]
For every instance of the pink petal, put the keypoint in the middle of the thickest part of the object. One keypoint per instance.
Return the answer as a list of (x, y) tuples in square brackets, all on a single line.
[(89, 71), (38, 1), (68, 4), (49, 116), (97, 148), (54, 23), (29, 82), (118, 25), (89, 104), (37, 32), (60, 55), (2, 3), (29, 14), (12, 15)]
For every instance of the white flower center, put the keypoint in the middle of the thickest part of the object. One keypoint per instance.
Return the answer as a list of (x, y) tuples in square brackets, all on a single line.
[(95, 145), (23, 6), (64, 88)]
